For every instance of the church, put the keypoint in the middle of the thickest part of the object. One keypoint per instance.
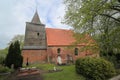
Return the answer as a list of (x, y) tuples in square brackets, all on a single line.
[(50, 45)]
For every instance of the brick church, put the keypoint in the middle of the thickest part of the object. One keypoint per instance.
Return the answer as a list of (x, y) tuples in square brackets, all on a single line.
[(51, 45)]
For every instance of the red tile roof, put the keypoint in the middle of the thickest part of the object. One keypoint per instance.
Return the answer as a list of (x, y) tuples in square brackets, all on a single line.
[(59, 37), (62, 37)]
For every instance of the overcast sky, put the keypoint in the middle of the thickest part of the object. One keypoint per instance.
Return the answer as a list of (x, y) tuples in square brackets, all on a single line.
[(14, 14)]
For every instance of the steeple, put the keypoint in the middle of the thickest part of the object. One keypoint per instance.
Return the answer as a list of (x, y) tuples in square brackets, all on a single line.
[(35, 18), (35, 34)]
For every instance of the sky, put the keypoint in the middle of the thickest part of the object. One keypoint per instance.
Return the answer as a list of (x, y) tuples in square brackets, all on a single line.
[(15, 13)]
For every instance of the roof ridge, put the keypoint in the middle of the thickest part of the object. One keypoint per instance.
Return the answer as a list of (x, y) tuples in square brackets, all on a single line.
[(59, 29)]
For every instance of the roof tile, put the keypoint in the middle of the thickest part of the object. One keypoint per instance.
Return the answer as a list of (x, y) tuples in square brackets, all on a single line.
[(59, 37)]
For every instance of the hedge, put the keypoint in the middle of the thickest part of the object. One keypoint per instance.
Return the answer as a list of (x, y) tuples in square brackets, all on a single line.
[(95, 68)]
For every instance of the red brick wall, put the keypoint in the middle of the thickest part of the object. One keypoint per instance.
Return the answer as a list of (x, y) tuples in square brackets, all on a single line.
[(50, 55), (52, 51), (34, 56)]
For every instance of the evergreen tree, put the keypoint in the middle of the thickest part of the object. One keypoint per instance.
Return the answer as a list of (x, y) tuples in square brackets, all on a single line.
[(18, 58), (14, 56), (9, 58)]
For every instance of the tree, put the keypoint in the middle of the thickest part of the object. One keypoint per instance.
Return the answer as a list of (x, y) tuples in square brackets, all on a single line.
[(99, 18), (3, 53), (18, 37), (18, 58), (14, 56), (10, 56)]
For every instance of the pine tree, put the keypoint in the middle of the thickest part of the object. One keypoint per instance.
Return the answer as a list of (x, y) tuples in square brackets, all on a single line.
[(14, 56), (9, 59), (18, 58)]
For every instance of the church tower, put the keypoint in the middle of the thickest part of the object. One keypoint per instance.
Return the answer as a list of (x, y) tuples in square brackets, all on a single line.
[(35, 35)]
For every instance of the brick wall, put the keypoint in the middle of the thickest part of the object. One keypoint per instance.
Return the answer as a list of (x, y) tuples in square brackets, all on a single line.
[(34, 56), (65, 51), (51, 54)]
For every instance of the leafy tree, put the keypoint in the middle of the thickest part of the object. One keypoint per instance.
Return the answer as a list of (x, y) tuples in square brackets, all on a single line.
[(87, 15), (18, 37), (85, 12), (101, 20), (3, 53), (14, 56)]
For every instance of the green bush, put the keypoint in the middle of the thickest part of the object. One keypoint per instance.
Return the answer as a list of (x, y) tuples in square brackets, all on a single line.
[(95, 68), (2, 60), (4, 69)]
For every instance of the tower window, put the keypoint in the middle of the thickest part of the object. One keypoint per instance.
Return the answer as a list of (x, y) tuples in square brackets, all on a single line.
[(76, 51), (38, 34)]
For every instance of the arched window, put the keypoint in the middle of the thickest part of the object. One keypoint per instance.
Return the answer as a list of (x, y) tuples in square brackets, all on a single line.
[(76, 51), (58, 50)]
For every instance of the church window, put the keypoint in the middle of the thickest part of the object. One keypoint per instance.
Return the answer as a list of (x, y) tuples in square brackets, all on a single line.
[(58, 50), (38, 34), (76, 51)]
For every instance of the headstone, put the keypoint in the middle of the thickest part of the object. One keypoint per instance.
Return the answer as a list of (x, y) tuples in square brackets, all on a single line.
[(12, 66), (54, 68)]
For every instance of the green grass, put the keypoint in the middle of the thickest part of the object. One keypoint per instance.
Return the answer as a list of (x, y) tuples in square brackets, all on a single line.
[(43, 66), (2, 77), (68, 72)]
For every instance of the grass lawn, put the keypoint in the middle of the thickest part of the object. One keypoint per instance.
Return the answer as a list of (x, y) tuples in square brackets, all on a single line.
[(68, 72), (2, 77)]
